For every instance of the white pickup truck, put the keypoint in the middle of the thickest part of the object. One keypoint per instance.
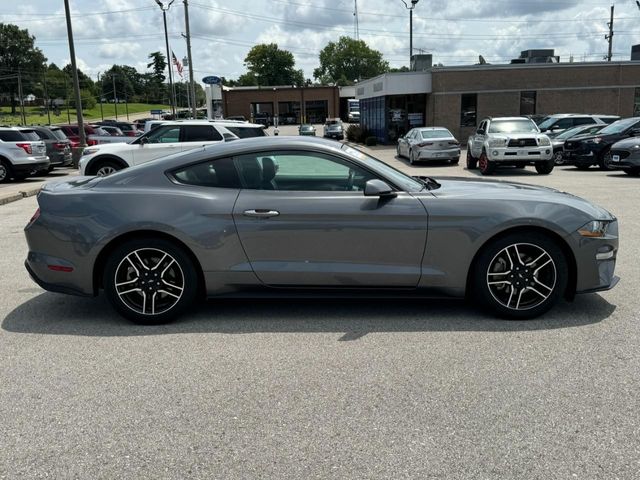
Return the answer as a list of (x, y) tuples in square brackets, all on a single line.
[(509, 141)]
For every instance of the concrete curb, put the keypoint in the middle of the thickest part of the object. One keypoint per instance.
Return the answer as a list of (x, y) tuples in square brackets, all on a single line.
[(12, 197)]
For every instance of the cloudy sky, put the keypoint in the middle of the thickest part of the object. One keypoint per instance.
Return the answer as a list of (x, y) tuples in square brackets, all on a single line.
[(455, 31)]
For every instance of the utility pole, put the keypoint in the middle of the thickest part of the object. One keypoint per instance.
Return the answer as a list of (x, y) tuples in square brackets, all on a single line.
[(185, 62), (355, 15), (192, 86), (610, 36), (46, 95), (172, 98), (76, 83), (115, 99), (21, 96)]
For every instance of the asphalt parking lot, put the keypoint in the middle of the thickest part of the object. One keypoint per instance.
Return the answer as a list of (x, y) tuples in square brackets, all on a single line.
[(325, 389)]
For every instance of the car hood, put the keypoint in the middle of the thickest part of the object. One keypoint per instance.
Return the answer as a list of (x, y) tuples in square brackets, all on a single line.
[(518, 136), (113, 147), (627, 143), (514, 192)]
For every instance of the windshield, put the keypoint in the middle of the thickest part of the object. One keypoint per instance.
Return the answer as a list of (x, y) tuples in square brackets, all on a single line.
[(403, 181), (59, 134), (547, 122), (439, 133), (619, 126), (513, 126)]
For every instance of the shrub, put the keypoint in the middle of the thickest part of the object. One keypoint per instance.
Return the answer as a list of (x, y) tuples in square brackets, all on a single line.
[(354, 133), (371, 141)]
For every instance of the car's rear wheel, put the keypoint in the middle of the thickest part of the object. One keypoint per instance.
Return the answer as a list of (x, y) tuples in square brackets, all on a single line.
[(150, 281), (545, 168), (105, 167), (521, 275), (605, 161), (634, 172), (5, 171), (487, 167), (558, 157), (472, 162)]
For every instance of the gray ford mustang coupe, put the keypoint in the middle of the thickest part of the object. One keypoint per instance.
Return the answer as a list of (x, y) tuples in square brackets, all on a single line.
[(297, 216)]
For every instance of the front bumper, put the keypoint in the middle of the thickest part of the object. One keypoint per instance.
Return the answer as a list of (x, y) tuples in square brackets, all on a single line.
[(629, 162), (449, 154), (338, 135), (596, 261), (519, 154)]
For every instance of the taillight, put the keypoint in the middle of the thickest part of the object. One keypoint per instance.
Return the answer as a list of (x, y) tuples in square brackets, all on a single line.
[(130, 133), (60, 146), (25, 146), (425, 144), (34, 217), (92, 142)]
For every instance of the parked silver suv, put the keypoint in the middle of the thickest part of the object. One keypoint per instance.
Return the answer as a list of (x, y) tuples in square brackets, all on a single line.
[(20, 155), (509, 141)]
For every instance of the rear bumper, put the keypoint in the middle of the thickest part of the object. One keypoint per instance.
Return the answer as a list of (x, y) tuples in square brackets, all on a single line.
[(449, 154), (60, 159), (30, 168), (53, 287)]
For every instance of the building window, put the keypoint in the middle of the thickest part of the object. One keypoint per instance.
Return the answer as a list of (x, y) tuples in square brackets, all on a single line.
[(528, 103), (468, 109), (636, 103)]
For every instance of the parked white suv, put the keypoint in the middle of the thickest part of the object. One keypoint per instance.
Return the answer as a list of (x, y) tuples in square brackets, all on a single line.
[(509, 141), (20, 156), (169, 138)]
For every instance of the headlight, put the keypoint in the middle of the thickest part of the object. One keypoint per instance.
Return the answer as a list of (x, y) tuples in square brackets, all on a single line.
[(497, 142), (597, 140), (89, 151), (544, 141), (594, 229)]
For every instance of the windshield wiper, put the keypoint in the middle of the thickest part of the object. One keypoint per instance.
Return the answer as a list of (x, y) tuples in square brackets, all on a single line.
[(428, 182)]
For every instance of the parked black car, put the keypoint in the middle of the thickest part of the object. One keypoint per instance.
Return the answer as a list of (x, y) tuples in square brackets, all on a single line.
[(625, 155), (57, 143), (588, 150)]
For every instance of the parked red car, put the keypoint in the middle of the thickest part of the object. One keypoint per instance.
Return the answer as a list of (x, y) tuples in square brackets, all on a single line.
[(72, 133)]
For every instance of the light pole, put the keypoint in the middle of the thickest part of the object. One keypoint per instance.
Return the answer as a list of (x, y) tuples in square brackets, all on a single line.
[(410, 8), (76, 83), (164, 8)]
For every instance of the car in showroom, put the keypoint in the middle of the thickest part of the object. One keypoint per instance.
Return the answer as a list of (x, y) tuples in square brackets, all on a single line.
[(509, 141), (625, 155), (589, 150), (166, 139), (557, 141), (429, 143), (297, 216)]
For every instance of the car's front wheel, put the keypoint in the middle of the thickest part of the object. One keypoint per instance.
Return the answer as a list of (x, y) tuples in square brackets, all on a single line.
[(545, 168), (487, 167), (105, 167), (472, 162), (521, 275), (558, 157), (150, 281)]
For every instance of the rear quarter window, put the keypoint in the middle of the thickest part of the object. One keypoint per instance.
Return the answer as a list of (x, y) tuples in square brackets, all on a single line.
[(11, 136), (247, 132), (220, 173)]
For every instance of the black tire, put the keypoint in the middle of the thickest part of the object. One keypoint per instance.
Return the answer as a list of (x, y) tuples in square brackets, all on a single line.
[(50, 168), (545, 168), (6, 172), (398, 151), (486, 166), (533, 304), (411, 159), (472, 162), (605, 160), (105, 167), (172, 300), (634, 172)]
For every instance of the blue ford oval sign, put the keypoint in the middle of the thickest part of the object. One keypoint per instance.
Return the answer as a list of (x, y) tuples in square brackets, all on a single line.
[(212, 80)]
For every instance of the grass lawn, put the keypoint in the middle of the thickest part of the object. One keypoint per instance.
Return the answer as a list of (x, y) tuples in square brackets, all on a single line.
[(35, 116)]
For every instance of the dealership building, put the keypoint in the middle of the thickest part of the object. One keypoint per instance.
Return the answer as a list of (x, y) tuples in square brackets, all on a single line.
[(459, 97)]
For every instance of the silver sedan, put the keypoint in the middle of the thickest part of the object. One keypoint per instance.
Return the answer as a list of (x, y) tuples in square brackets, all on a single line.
[(299, 216), (429, 143)]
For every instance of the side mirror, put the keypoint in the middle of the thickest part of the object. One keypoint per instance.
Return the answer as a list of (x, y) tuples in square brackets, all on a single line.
[(144, 140), (378, 188), (635, 132)]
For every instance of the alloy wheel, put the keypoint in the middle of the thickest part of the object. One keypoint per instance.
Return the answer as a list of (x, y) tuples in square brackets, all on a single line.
[(558, 158), (4, 173), (105, 170), (521, 276), (149, 281)]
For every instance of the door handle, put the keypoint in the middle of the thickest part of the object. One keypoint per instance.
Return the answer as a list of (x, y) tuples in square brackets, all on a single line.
[(261, 212)]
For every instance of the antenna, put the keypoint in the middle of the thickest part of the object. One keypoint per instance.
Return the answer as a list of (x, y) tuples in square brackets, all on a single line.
[(355, 21)]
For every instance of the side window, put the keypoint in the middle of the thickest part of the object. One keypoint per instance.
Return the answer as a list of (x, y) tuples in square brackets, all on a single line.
[(219, 173), (483, 126), (562, 124), (42, 135), (169, 134), (301, 171), (247, 132), (200, 133), (583, 121)]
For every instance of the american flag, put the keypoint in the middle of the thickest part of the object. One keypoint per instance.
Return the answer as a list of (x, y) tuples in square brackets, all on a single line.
[(177, 63)]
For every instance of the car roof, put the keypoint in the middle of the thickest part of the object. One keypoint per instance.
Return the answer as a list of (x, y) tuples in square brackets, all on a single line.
[(208, 122), (507, 118)]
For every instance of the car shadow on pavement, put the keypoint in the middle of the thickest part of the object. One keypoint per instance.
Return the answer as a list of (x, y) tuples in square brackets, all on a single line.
[(506, 172), (53, 314), (429, 163)]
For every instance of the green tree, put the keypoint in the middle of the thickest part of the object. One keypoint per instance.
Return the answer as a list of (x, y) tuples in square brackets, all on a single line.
[(59, 85), (351, 59), (156, 91), (18, 53), (83, 79), (271, 66), (158, 64)]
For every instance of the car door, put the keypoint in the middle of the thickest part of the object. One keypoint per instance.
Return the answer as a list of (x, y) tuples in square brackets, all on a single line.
[(160, 142), (303, 220)]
